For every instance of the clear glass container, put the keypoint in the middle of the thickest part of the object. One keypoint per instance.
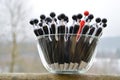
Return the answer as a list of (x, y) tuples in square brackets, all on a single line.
[(67, 53)]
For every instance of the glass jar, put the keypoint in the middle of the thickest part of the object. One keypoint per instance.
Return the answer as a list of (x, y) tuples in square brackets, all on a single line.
[(67, 53)]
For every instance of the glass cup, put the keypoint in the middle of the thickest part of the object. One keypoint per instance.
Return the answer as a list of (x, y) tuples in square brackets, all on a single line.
[(67, 53)]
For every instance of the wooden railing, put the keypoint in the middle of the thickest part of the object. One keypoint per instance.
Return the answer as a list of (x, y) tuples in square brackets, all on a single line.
[(48, 76)]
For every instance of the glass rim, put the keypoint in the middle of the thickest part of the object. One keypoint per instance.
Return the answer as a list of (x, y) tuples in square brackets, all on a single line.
[(47, 35)]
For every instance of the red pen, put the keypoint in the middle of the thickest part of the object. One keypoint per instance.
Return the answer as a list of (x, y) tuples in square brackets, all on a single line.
[(82, 23)]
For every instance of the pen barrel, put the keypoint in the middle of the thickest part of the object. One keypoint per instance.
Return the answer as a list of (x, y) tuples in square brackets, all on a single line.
[(78, 48), (61, 49), (43, 45), (90, 50)]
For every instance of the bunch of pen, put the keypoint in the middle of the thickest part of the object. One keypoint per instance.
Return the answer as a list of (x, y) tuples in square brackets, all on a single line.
[(68, 47)]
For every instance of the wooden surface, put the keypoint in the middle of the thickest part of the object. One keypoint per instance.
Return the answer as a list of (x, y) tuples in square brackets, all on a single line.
[(46, 76)]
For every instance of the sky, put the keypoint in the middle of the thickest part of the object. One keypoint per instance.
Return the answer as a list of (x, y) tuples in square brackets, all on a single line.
[(109, 9)]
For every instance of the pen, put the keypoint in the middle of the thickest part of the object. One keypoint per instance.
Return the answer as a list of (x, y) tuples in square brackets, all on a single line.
[(90, 49), (61, 45), (47, 39), (73, 42), (79, 46)]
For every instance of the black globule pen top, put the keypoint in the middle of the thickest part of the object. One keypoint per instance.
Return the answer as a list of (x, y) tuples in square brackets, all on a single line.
[(48, 19), (42, 17), (104, 25), (66, 19), (98, 20), (52, 14), (62, 16), (55, 20), (90, 16), (59, 18), (36, 21), (31, 22), (74, 17), (79, 16), (40, 24), (104, 20)]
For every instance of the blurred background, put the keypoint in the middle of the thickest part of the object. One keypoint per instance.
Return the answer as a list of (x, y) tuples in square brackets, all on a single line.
[(18, 44)]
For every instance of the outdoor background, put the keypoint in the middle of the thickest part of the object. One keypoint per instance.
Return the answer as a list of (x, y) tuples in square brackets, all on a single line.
[(18, 44)]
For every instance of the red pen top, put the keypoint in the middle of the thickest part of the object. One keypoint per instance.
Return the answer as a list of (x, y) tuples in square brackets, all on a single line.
[(86, 13), (82, 23)]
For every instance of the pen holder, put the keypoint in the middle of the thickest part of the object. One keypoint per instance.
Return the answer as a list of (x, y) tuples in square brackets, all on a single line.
[(67, 53)]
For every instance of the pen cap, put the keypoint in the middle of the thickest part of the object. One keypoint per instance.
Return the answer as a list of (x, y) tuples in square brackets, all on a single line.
[(75, 29), (98, 32), (53, 29), (45, 28), (85, 29), (40, 31), (91, 31)]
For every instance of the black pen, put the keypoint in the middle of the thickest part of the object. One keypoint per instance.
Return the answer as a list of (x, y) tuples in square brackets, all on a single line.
[(86, 44), (54, 35), (39, 33), (61, 47), (42, 42), (47, 39), (79, 46), (90, 49), (66, 20), (33, 22), (73, 42), (91, 46), (66, 45)]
